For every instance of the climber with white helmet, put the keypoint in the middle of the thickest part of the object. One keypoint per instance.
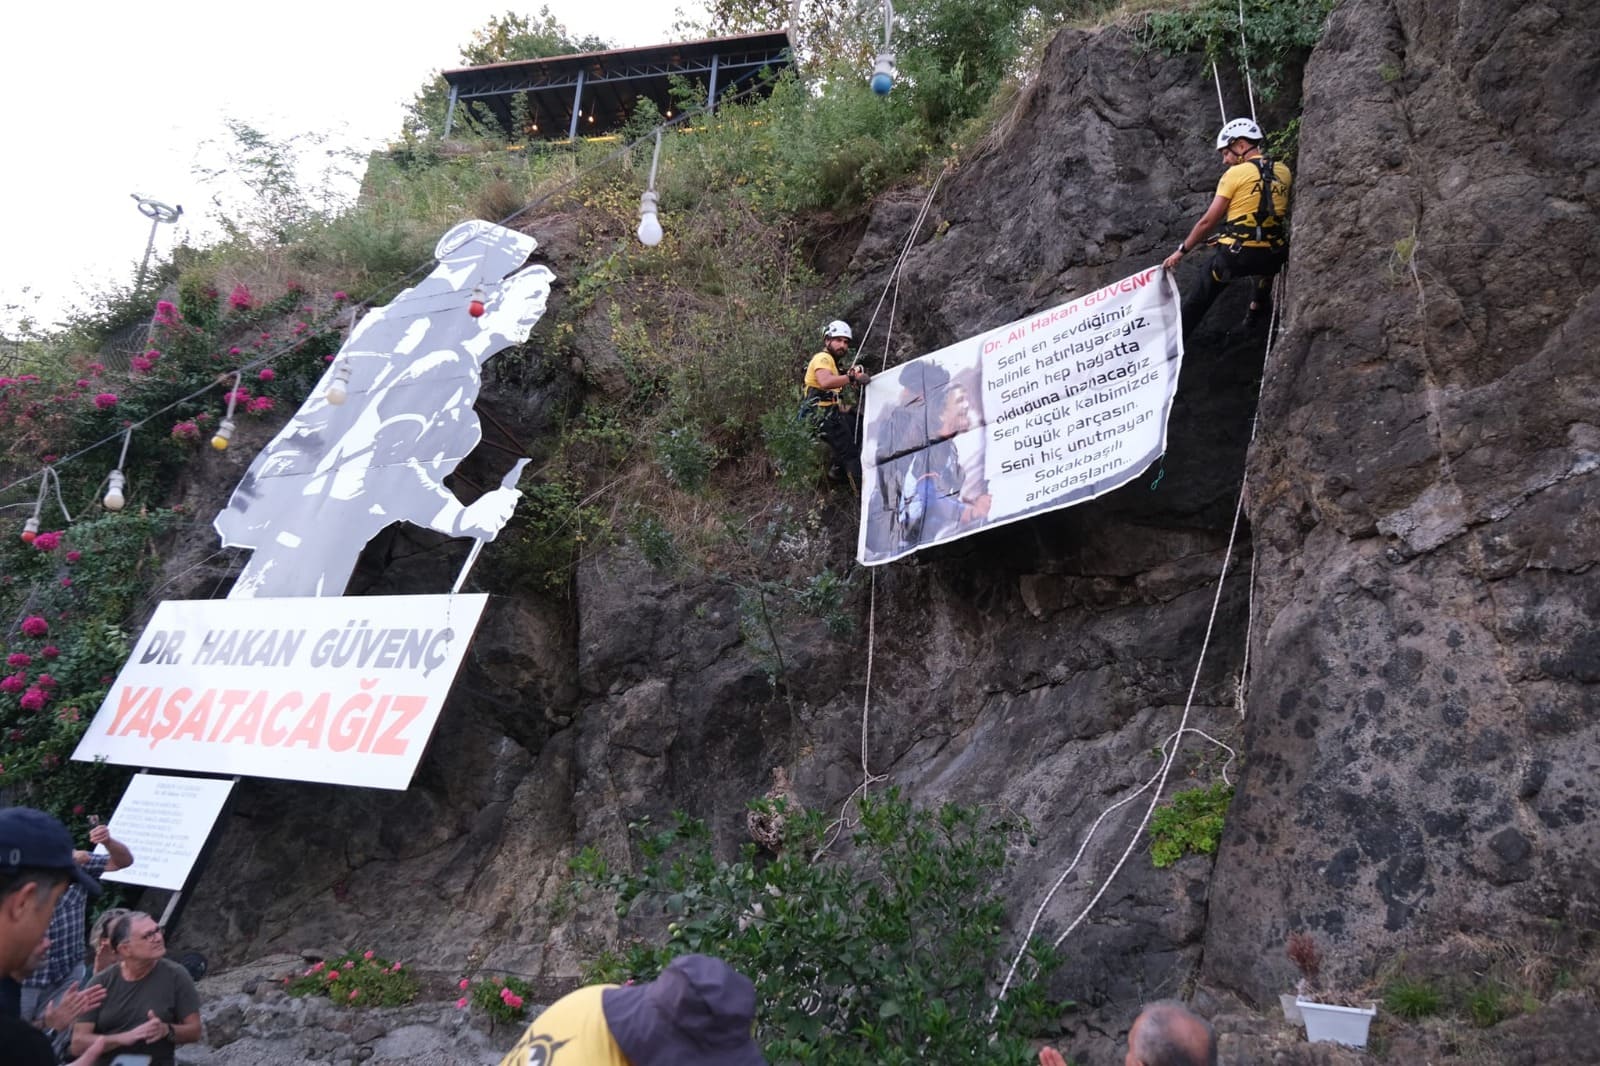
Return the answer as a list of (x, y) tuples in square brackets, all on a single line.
[(823, 404), (1250, 214)]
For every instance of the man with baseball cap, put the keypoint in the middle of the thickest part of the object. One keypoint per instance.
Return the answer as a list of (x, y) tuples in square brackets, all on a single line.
[(699, 1012), (36, 865)]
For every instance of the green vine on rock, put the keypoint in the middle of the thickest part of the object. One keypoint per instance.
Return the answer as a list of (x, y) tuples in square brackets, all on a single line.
[(1190, 824)]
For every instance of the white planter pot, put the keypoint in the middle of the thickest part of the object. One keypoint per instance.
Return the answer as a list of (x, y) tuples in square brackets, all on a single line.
[(1327, 1024), (1291, 1009)]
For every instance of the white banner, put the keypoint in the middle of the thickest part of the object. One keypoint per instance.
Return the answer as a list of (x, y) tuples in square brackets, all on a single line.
[(165, 821), (344, 691), (1036, 415)]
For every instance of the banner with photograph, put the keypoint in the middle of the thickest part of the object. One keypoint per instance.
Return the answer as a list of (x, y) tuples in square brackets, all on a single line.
[(1036, 415), (340, 690)]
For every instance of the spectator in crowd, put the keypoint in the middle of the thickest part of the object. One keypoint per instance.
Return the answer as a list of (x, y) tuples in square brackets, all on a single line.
[(64, 968), (55, 1023), (151, 1004), (100, 938), (36, 866), (1166, 1033), (700, 1010)]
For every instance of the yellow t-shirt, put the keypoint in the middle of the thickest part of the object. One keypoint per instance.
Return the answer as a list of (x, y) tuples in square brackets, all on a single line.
[(1241, 184), (822, 361), (571, 1032)]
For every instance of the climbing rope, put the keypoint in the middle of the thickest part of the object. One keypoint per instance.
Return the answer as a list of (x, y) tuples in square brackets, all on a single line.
[(1244, 62), (1159, 779), (868, 778)]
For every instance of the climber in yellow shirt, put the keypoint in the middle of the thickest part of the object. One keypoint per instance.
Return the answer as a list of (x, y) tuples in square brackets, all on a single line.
[(1251, 210), (831, 416)]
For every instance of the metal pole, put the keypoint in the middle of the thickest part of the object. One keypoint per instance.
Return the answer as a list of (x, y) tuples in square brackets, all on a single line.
[(157, 212), (577, 109), (711, 95), (450, 112)]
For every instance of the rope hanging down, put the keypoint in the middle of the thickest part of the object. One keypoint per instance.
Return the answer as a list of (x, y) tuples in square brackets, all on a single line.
[(1159, 779)]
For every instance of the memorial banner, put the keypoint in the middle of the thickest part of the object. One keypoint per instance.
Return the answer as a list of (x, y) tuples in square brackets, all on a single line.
[(344, 691), (1039, 414), (165, 821)]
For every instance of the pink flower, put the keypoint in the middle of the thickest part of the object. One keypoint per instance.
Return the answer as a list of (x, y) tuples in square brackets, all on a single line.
[(354, 992), (105, 401), (461, 1004), (14, 682), (96, 369), (260, 404), (166, 313), (77, 809), (366, 955), (341, 296), (463, 984), (74, 556), (19, 658), (267, 373), (317, 968), (45, 681), (83, 383), (239, 298), (140, 364), (505, 994), (68, 714), (235, 350), (33, 700), (236, 396), (50, 651), (152, 354), (34, 626), (333, 974), (47, 542), (349, 963), (186, 430), (514, 1002), (395, 968)]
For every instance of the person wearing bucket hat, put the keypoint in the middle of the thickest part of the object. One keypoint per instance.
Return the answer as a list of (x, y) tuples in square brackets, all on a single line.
[(36, 866), (699, 1012)]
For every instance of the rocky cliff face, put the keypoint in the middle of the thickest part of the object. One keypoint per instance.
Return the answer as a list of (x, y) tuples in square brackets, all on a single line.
[(1416, 734)]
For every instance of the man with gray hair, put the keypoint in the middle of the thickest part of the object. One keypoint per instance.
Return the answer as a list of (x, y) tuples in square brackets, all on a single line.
[(1166, 1033)]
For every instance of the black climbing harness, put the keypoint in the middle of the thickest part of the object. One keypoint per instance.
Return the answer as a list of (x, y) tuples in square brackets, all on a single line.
[(1267, 227)]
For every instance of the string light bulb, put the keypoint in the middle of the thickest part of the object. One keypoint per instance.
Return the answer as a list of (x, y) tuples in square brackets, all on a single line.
[(339, 388), (114, 499), (649, 225), (30, 529), (475, 308), (224, 434), (883, 74)]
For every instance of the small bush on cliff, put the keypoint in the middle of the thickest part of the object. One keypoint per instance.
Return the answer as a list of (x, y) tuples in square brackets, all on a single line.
[(1274, 32), (1190, 823), (881, 958)]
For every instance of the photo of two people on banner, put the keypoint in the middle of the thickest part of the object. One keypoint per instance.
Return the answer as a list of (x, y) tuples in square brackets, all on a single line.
[(926, 482)]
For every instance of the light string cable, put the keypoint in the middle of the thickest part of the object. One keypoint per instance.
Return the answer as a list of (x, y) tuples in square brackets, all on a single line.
[(394, 286)]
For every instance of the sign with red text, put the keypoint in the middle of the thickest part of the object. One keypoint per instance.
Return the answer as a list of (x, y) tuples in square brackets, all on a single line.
[(1036, 415), (165, 821), (344, 691)]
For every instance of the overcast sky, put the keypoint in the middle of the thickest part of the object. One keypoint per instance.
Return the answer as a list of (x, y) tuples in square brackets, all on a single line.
[(112, 98)]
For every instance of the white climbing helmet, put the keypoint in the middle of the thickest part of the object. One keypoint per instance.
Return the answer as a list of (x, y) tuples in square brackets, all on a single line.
[(1239, 127), (837, 328)]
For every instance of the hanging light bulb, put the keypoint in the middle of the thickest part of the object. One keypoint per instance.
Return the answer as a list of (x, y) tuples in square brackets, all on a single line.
[(223, 435), (475, 308), (30, 529), (649, 224), (883, 74), (339, 387), (115, 500)]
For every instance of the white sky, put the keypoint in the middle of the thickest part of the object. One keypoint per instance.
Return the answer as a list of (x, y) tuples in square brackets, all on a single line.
[(111, 98)]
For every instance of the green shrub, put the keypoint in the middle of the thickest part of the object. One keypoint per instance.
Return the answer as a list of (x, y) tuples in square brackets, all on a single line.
[(685, 459), (1190, 823), (502, 998), (1412, 999), (353, 980), (884, 958), (1275, 33), (792, 446)]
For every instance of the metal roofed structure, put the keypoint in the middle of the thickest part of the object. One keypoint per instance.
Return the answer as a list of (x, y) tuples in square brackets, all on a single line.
[(595, 92)]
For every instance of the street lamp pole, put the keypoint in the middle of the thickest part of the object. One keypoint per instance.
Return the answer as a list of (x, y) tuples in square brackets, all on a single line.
[(157, 212)]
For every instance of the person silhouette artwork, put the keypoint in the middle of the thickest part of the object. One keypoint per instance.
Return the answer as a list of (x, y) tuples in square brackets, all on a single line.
[(340, 472)]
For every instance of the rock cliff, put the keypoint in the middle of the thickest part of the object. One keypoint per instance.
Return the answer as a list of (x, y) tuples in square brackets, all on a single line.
[(1417, 729)]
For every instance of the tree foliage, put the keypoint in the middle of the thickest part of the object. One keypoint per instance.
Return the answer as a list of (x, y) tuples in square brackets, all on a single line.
[(883, 958)]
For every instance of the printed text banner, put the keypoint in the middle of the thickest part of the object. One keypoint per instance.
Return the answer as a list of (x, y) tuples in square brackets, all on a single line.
[(165, 821), (344, 691), (1039, 414)]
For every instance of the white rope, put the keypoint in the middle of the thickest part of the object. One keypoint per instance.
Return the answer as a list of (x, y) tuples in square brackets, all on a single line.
[(1244, 61), (1160, 777), (1217, 77)]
